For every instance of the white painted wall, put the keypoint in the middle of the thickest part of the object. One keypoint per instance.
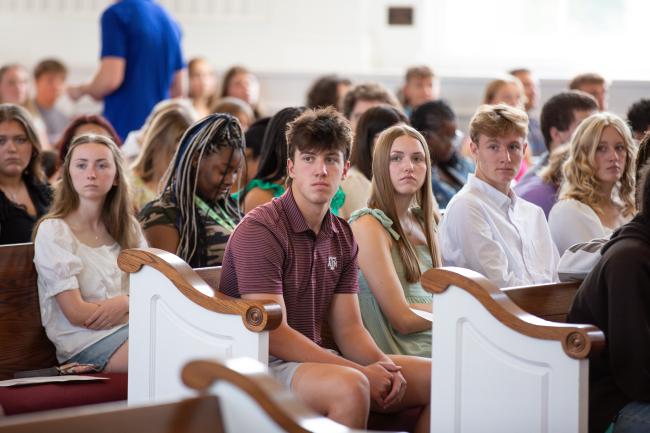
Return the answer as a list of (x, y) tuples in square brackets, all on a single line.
[(290, 42)]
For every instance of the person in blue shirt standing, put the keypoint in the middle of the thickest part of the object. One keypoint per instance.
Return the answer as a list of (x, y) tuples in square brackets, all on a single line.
[(141, 63)]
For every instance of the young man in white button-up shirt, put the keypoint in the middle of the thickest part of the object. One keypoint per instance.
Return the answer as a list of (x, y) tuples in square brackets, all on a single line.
[(486, 227)]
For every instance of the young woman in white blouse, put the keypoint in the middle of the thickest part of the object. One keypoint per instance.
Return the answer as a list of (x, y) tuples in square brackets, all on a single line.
[(83, 294), (597, 194)]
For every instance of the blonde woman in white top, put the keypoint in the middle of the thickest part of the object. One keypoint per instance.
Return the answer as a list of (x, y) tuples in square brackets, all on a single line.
[(597, 194), (83, 294)]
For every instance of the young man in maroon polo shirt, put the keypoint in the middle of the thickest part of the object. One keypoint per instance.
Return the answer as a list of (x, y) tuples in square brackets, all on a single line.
[(295, 252)]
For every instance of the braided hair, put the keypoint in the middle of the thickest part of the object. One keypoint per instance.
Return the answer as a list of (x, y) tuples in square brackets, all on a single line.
[(207, 136)]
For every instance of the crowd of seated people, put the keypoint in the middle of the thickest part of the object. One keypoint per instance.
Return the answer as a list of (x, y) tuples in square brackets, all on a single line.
[(194, 214), (159, 145), (532, 94), (351, 176), (271, 174), (420, 85), (560, 116), (436, 121), (356, 184)]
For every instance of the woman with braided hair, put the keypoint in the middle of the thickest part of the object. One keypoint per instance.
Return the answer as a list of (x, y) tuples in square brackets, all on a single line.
[(194, 215)]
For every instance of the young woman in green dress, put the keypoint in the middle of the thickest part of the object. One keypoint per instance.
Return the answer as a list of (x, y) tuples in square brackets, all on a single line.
[(397, 241)]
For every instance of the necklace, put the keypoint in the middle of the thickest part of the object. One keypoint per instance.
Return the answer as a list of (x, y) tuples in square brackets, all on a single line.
[(218, 214)]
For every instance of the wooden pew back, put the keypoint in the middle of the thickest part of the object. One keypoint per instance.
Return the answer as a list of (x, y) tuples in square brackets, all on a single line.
[(551, 302), (23, 342)]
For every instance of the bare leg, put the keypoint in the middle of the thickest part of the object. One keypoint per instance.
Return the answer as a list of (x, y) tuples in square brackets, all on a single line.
[(119, 362), (340, 393), (417, 372)]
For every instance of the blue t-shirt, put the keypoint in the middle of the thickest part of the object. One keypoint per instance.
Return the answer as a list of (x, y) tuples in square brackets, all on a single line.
[(148, 39)]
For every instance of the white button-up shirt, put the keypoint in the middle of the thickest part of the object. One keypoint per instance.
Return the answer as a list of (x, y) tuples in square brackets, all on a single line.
[(505, 238)]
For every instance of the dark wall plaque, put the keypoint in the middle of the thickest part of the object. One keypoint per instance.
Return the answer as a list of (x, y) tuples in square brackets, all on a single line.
[(400, 16)]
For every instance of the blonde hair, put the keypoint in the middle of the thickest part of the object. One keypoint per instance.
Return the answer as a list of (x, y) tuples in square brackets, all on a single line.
[(161, 139), (382, 196), (580, 181), (117, 212), (498, 121), (493, 87), (552, 172)]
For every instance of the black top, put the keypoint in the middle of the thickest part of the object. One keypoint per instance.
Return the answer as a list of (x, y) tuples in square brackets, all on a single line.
[(615, 296), (15, 223)]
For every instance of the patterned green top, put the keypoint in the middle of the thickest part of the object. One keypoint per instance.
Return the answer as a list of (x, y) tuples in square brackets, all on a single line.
[(387, 338), (278, 190), (163, 211)]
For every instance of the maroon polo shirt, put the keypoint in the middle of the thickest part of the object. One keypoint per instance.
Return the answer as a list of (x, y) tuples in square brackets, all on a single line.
[(273, 251)]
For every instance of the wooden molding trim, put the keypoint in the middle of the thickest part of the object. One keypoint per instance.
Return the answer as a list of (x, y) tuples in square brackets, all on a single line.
[(191, 415), (252, 378), (555, 286), (578, 341), (257, 315)]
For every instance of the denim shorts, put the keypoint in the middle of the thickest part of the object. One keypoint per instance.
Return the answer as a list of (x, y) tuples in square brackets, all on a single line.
[(100, 352)]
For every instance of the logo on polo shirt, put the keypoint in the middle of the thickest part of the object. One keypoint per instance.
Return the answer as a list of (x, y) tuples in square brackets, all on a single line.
[(331, 263)]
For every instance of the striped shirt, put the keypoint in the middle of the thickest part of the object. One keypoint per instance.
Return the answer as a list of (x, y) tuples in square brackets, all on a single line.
[(273, 251)]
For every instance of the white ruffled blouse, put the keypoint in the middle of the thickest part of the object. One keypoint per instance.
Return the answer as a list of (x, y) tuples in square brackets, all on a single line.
[(65, 263)]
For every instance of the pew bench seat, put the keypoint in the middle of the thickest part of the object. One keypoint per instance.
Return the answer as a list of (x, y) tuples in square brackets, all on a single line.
[(234, 397), (35, 398)]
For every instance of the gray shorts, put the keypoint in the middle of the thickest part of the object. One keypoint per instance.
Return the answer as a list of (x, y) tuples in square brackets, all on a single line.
[(283, 371)]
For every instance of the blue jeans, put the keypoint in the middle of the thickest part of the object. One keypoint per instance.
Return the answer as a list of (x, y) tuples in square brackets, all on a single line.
[(633, 418)]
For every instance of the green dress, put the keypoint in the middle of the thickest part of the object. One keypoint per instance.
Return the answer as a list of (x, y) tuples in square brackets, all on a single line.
[(278, 190), (388, 339)]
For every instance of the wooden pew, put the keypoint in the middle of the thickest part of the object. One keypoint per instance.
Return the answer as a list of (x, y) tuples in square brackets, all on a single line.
[(23, 343), (158, 353), (237, 397), (25, 346), (175, 316), (498, 367), (551, 302), (222, 327)]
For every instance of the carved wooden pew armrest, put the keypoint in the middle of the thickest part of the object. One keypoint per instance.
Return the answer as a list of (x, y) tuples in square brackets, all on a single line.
[(257, 315), (578, 341)]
